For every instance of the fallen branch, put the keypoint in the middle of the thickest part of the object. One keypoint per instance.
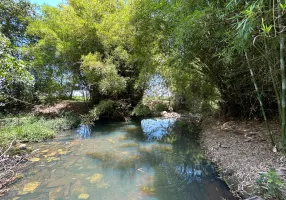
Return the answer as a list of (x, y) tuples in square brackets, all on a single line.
[(8, 166)]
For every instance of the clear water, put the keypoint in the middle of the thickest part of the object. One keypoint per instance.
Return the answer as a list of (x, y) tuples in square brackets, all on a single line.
[(153, 159)]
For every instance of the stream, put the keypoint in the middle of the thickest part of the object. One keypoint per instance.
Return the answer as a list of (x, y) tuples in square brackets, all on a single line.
[(151, 159)]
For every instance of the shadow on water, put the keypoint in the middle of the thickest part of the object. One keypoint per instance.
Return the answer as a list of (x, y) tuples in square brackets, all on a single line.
[(152, 159)]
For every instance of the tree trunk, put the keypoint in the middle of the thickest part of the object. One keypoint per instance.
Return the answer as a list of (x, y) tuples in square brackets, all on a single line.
[(283, 78)]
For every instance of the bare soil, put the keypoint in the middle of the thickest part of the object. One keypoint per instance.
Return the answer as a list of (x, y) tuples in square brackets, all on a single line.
[(62, 106), (241, 150)]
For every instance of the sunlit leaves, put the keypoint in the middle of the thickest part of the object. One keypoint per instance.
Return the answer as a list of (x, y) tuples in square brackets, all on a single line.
[(14, 18), (282, 6), (11, 68), (104, 106), (103, 74), (89, 42), (266, 29)]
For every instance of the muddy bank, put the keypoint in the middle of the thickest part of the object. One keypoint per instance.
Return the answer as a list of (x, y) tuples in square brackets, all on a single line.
[(241, 150)]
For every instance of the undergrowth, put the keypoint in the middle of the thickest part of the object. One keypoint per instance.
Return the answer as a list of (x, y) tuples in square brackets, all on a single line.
[(34, 129), (270, 186), (141, 110)]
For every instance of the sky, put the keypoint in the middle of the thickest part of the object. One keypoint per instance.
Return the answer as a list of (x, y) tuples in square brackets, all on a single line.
[(50, 2)]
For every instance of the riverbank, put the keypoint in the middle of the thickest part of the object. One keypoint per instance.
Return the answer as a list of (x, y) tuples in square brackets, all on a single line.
[(242, 151), (18, 133)]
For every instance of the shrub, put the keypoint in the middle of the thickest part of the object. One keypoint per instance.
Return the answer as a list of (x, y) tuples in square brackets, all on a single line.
[(33, 132), (61, 123), (141, 111), (33, 129), (104, 106), (269, 185), (161, 107)]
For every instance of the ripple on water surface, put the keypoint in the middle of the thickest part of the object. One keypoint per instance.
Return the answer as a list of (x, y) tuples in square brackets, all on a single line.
[(155, 159)]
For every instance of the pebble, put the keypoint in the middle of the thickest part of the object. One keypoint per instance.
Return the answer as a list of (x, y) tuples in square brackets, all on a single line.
[(22, 146)]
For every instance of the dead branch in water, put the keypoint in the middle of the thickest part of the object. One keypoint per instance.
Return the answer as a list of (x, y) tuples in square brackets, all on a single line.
[(8, 165)]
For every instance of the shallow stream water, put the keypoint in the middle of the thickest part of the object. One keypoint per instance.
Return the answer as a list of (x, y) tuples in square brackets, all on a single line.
[(152, 159)]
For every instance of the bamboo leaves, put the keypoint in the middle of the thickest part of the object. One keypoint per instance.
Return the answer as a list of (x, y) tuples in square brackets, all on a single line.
[(266, 29)]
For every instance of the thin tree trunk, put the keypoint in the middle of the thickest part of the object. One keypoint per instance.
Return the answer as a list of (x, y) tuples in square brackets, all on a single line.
[(71, 93), (259, 99), (273, 79), (283, 78)]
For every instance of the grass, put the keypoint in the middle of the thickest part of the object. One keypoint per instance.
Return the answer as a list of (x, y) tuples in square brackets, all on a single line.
[(34, 129)]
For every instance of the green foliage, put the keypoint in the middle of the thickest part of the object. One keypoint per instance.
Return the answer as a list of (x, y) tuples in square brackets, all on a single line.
[(102, 74), (161, 107), (104, 107), (269, 185), (282, 6), (33, 132), (15, 79), (112, 48), (266, 29), (142, 110), (11, 68), (26, 130), (85, 44), (65, 122), (33, 129), (14, 19)]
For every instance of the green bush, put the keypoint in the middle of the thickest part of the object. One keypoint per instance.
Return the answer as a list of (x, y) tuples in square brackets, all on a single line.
[(141, 111), (160, 107), (33, 132), (62, 123), (104, 106), (269, 185), (33, 129)]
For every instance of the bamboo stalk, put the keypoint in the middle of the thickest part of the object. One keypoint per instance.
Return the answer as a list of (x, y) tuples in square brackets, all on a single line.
[(282, 69), (259, 99), (273, 80)]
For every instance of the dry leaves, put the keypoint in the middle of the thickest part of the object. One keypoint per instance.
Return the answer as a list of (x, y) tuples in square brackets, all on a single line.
[(96, 178), (83, 196), (30, 187)]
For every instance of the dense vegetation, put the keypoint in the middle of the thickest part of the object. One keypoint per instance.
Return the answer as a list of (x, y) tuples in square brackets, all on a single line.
[(219, 54), (34, 129)]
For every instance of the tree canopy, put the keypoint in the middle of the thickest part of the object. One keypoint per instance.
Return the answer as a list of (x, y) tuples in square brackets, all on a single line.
[(213, 55)]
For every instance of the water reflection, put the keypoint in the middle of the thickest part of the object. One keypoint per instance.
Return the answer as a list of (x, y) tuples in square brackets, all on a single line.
[(155, 129), (84, 131), (155, 159)]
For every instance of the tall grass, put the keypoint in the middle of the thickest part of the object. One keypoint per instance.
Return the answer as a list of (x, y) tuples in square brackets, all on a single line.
[(34, 129)]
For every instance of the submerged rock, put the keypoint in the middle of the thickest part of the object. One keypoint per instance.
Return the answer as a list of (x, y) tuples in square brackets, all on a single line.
[(255, 198), (21, 146)]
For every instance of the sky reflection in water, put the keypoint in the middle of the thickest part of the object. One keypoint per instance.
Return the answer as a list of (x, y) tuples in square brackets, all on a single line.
[(155, 159)]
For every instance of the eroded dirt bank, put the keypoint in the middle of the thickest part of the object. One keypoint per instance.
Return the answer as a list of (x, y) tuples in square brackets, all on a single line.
[(241, 150)]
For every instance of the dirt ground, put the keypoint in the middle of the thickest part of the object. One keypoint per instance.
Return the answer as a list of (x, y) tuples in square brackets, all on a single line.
[(241, 150), (62, 106)]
